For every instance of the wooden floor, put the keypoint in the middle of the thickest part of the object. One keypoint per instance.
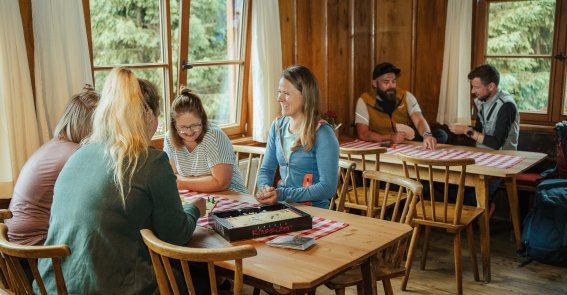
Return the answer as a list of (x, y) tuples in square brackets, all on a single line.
[(507, 276)]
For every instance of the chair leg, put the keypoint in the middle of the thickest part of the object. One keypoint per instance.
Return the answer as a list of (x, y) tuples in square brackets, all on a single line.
[(425, 247), (340, 291), (256, 291), (411, 252), (472, 251), (458, 263), (387, 287), (359, 289)]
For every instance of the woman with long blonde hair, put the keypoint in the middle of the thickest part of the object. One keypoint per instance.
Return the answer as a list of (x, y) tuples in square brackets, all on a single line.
[(111, 188), (305, 148)]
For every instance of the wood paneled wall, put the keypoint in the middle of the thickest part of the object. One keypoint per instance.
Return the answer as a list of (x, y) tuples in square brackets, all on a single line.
[(342, 40)]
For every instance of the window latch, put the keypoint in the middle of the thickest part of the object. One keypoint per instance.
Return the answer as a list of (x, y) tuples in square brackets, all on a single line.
[(561, 56)]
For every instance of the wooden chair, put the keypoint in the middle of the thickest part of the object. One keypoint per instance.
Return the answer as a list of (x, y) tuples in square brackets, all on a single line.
[(14, 253), (254, 156), (6, 288), (454, 218), (346, 169), (161, 253), (402, 192), (358, 197)]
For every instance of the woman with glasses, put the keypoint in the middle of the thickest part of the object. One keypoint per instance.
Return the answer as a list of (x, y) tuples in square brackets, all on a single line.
[(200, 152), (305, 148)]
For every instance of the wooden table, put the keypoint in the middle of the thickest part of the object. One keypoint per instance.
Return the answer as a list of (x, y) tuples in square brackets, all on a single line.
[(291, 271), (478, 177)]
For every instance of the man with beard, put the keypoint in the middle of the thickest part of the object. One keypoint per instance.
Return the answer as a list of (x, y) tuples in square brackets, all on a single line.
[(498, 121), (392, 114)]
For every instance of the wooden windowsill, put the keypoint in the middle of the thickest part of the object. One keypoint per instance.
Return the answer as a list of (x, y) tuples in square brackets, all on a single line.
[(246, 141), (537, 128)]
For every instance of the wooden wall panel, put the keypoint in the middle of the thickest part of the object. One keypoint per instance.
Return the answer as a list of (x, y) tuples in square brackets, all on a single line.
[(394, 37), (363, 59), (430, 41), (334, 39), (287, 31), (342, 40), (311, 40), (338, 58)]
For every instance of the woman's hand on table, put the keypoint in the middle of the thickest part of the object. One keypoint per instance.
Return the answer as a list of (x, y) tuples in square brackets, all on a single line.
[(267, 195), (201, 204)]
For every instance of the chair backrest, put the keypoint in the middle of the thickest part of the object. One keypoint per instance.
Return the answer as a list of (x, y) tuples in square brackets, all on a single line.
[(248, 160), (5, 214), (387, 184), (357, 197), (438, 171), (404, 200), (161, 253), (14, 254), (346, 169), (6, 284)]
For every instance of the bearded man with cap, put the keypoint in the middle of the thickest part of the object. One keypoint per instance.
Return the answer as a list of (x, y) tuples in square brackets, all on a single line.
[(392, 114)]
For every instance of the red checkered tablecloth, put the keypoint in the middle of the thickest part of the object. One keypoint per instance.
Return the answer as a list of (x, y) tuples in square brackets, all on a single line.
[(481, 159), (320, 228)]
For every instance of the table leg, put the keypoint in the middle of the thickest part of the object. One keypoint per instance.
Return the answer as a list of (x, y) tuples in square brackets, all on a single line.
[(481, 188), (512, 192), (367, 278)]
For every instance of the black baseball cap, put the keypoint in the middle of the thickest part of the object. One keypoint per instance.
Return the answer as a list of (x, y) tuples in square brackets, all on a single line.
[(384, 68)]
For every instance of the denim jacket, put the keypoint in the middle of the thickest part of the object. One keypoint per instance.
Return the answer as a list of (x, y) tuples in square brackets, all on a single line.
[(306, 176)]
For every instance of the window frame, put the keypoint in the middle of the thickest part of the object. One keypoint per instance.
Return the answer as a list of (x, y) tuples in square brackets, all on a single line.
[(167, 67), (240, 129), (557, 71), (236, 130)]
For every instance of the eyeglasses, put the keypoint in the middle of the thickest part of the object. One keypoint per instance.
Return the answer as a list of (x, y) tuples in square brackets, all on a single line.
[(193, 128)]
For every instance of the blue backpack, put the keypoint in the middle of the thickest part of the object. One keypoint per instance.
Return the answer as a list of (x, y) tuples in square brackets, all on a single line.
[(544, 233)]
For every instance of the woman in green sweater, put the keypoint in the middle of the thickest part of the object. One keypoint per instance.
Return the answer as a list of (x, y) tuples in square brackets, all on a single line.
[(113, 186)]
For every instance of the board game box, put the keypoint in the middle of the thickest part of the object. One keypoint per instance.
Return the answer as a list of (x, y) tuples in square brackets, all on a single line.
[(254, 222)]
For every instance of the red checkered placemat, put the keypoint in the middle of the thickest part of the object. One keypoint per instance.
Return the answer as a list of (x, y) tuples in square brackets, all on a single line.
[(481, 159), (360, 145), (320, 228)]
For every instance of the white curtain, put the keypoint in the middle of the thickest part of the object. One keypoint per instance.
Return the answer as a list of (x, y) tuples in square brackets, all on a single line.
[(454, 98), (18, 125), (266, 57), (62, 62)]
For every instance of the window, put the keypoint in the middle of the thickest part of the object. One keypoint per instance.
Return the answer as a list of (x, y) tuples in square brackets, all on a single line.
[(525, 40), (133, 34), (149, 36), (211, 48)]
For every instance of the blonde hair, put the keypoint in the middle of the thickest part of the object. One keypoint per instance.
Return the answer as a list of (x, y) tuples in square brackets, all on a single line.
[(120, 126), (304, 81), (77, 120)]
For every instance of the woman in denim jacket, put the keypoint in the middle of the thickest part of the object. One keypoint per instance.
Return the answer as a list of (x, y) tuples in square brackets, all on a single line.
[(305, 148)]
